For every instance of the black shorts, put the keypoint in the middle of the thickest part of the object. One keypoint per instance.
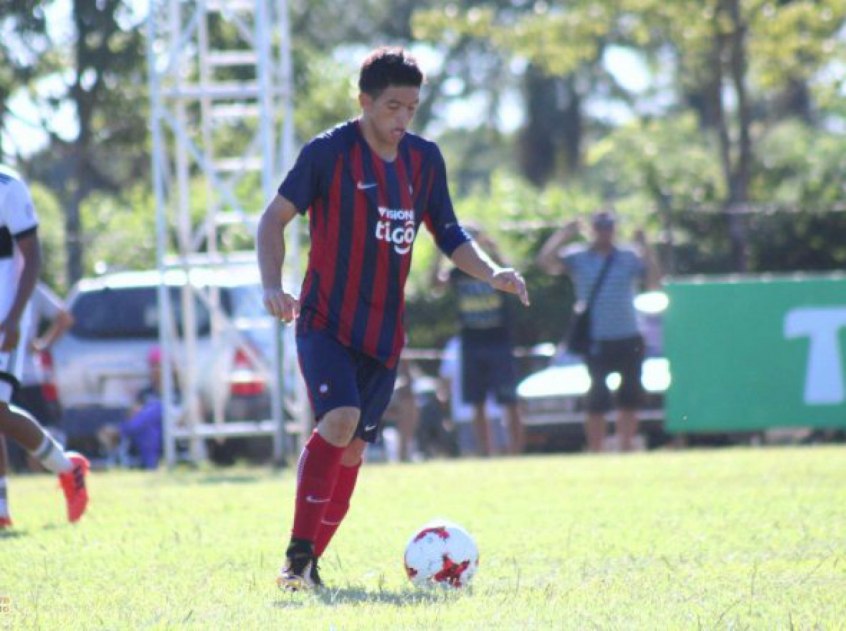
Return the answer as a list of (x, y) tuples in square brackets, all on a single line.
[(31, 399), (623, 356), (488, 368)]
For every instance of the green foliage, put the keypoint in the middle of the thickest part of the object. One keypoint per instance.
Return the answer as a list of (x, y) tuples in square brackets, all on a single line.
[(129, 222), (51, 233), (801, 166), (736, 538)]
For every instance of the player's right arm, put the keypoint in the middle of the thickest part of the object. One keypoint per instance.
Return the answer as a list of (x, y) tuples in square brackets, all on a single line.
[(271, 256)]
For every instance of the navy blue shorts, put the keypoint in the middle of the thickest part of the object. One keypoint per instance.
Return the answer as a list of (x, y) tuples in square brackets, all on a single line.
[(488, 368), (338, 376)]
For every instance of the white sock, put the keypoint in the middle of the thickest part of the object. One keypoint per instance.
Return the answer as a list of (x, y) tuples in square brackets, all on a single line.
[(52, 456), (4, 506)]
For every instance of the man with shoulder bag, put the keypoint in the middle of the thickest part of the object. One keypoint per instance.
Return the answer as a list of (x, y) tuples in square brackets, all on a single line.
[(604, 327)]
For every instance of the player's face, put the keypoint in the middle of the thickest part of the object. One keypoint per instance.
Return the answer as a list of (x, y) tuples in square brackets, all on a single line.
[(389, 115)]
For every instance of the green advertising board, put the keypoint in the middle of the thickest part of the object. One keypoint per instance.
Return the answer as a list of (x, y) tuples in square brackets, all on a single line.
[(754, 353)]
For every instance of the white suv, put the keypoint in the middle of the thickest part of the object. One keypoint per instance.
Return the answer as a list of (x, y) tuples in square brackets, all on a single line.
[(101, 362)]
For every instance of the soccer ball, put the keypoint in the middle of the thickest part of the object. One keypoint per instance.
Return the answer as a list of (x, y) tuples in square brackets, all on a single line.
[(441, 553)]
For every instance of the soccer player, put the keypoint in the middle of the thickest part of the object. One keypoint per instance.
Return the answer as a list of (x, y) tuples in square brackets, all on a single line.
[(367, 185), (20, 263)]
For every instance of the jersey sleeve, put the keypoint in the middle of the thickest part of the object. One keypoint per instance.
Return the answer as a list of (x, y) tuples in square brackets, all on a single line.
[(19, 211), (440, 215), (302, 185)]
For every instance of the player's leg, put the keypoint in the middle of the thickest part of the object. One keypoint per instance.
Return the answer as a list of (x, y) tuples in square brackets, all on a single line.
[(630, 393), (481, 427), (339, 504), (71, 467), (504, 377), (598, 400), (474, 388), (330, 375), (376, 384), (5, 514)]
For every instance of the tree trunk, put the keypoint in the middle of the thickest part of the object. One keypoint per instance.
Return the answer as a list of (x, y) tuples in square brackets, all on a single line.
[(739, 190), (735, 158)]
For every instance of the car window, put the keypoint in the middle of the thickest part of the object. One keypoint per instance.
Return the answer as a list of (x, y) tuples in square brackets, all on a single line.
[(128, 313), (245, 301)]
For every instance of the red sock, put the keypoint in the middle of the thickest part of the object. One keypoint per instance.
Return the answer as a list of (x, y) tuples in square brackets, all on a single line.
[(337, 508), (317, 472)]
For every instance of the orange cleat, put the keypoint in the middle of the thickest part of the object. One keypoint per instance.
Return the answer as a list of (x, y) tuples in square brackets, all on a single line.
[(73, 485)]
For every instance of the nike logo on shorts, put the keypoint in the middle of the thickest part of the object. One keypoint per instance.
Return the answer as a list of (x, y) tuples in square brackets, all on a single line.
[(316, 500), (363, 186)]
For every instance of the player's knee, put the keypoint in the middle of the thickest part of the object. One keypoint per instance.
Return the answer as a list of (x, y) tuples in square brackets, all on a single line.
[(353, 455), (338, 425)]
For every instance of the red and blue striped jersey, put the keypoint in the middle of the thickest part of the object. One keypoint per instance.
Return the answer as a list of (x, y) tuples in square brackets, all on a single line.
[(364, 213)]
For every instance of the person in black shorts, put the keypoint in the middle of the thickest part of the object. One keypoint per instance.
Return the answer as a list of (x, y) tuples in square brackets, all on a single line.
[(487, 360), (616, 342)]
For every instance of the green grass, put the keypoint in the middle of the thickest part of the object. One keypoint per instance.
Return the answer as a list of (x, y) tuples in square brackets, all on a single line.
[(665, 540)]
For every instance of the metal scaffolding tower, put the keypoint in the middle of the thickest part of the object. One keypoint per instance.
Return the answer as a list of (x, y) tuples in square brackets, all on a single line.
[(222, 131)]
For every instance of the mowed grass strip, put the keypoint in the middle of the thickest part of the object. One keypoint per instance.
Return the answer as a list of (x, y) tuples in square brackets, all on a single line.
[(734, 538)]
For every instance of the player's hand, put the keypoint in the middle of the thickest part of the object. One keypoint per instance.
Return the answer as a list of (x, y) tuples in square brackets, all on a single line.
[(511, 281), (10, 335), (281, 305)]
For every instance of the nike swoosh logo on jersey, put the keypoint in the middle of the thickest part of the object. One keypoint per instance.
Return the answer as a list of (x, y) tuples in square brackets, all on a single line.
[(316, 500), (367, 428), (363, 186)]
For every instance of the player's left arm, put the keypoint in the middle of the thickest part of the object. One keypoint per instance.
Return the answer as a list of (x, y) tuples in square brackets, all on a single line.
[(471, 259), (454, 241)]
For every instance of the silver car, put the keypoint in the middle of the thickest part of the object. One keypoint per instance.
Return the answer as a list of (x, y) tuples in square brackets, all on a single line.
[(101, 362), (553, 398)]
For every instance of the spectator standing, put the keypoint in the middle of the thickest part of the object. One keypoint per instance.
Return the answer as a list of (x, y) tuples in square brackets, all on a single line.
[(402, 411), (487, 354), (616, 343), (463, 414)]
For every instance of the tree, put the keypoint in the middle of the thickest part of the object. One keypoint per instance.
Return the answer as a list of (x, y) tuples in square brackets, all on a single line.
[(22, 42), (108, 149)]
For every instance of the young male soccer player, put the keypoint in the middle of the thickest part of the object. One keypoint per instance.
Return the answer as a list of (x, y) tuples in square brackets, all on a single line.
[(367, 184), (20, 263)]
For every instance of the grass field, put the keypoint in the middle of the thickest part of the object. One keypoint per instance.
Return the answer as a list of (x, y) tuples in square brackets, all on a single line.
[(721, 539)]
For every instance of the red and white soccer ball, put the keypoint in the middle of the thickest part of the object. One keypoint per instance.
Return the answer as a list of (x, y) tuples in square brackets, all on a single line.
[(441, 553)]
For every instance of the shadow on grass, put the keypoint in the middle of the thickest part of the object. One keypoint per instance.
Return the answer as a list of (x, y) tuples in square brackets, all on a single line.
[(223, 478), (360, 595), (15, 533)]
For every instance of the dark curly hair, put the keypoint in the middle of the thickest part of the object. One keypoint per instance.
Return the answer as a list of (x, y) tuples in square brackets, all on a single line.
[(387, 66)]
